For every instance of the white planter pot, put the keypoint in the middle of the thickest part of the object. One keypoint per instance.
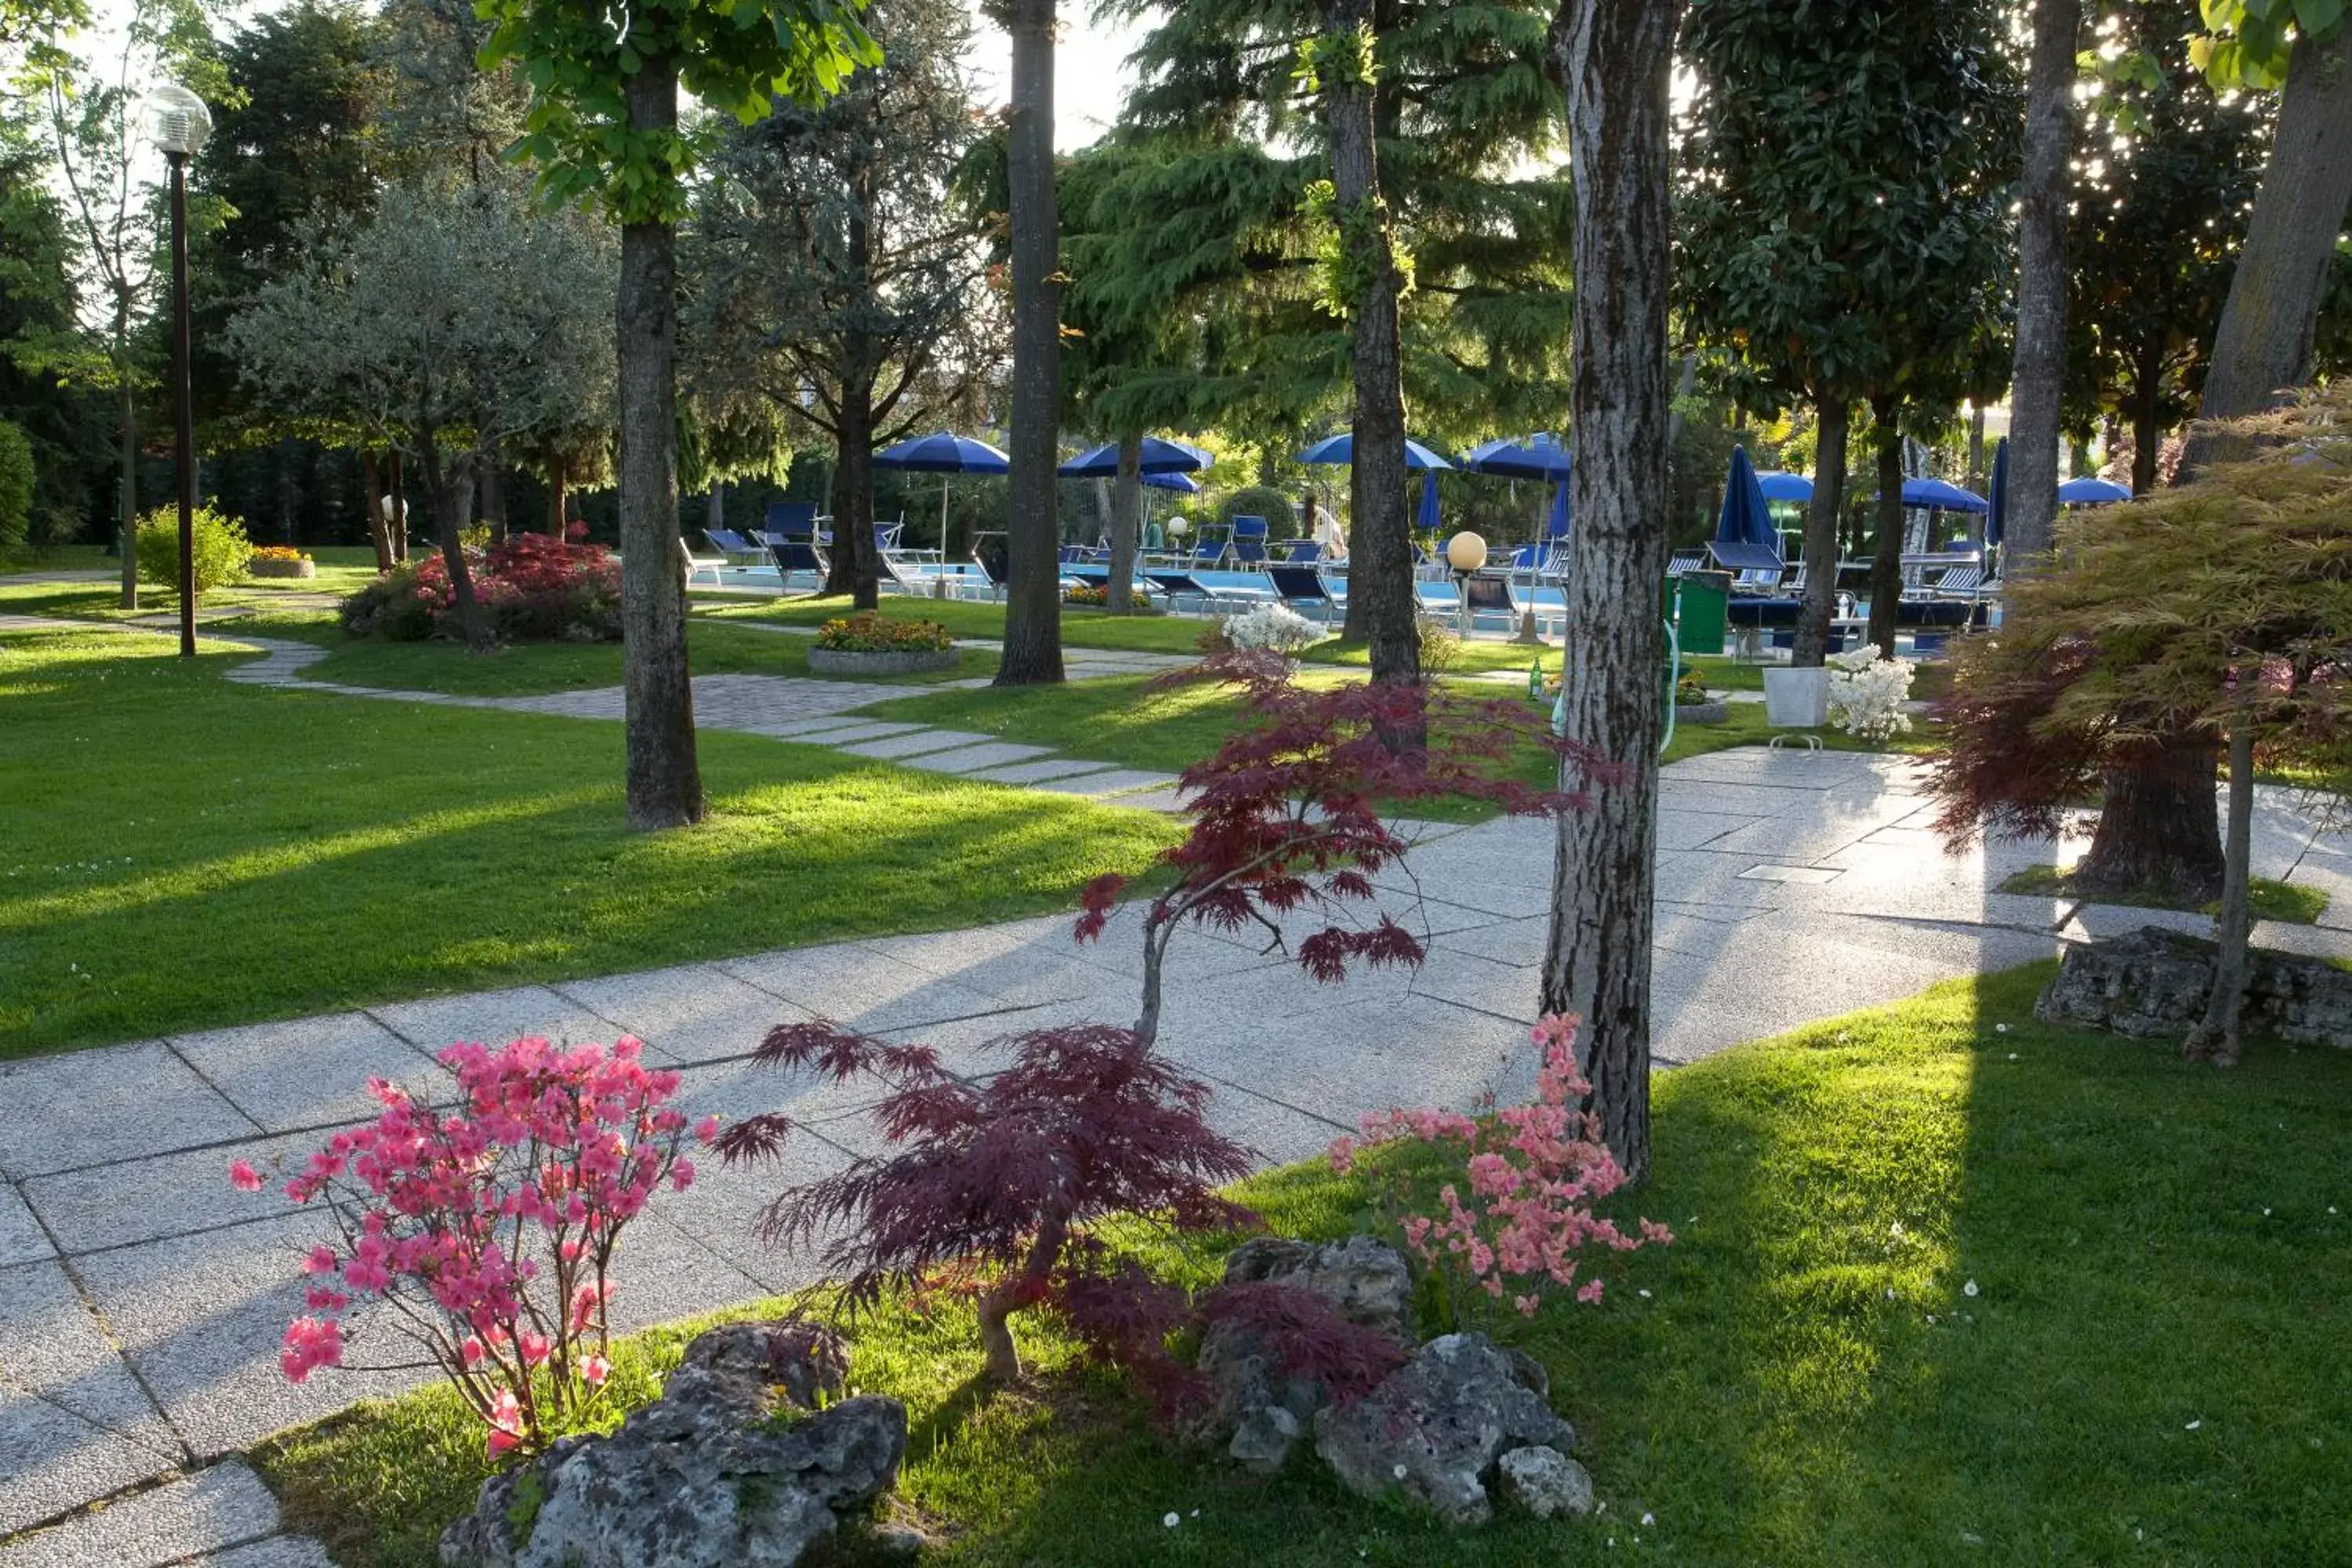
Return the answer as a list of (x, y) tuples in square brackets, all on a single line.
[(1797, 699)]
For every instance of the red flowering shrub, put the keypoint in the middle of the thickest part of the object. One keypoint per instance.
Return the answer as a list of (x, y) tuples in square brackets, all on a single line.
[(489, 1228), (998, 1185), (532, 587), (1535, 1172)]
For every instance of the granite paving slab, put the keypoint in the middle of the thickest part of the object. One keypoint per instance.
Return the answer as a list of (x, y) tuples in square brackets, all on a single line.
[(21, 1238), (692, 1013), (60, 1112), (1065, 768), (915, 743), (278, 1552), (972, 759), (493, 1019), (309, 1072), (221, 1506), (177, 1193), (857, 986), (1119, 780)]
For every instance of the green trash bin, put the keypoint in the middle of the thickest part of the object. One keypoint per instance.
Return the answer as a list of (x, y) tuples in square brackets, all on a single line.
[(1702, 601)]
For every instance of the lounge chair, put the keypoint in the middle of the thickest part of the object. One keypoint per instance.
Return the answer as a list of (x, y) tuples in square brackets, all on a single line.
[(988, 555), (1491, 595), (1249, 541), (797, 556), (1299, 586), (696, 566), (1685, 561), (792, 520), (731, 544), (1304, 553), (1757, 568)]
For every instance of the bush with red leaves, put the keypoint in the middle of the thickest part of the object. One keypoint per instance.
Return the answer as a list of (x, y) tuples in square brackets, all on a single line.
[(998, 1185), (532, 587), (1288, 815)]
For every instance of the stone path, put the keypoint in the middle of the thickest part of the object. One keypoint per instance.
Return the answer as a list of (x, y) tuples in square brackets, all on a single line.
[(141, 1300)]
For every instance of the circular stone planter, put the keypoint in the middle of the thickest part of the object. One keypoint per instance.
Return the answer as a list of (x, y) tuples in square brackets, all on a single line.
[(282, 569), (912, 661), (1702, 713)]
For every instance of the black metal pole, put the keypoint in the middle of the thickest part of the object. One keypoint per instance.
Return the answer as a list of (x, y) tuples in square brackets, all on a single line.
[(186, 435)]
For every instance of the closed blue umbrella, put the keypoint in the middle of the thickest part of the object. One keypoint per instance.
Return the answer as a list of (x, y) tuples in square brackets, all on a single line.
[(1555, 537), (1159, 457), (2090, 492), (1745, 518), (1338, 451), (1997, 512), (943, 454), (1426, 520), (1183, 482)]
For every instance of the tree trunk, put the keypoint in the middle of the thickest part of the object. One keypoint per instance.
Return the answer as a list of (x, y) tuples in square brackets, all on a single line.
[(1614, 56), (395, 521), (2158, 828), (126, 414), (1812, 643), (1977, 480), (1032, 593), (2039, 367), (2216, 1039), (2147, 433), (714, 507), (494, 497), (855, 569), (449, 492), (378, 534), (1886, 551), (2264, 341), (558, 471), (665, 782), (1126, 520), (1379, 551)]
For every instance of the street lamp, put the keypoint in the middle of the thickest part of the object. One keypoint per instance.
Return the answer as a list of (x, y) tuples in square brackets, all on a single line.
[(181, 123), (1467, 554)]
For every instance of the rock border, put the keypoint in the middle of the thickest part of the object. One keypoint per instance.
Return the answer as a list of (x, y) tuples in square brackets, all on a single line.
[(905, 661), (1714, 713), (304, 570)]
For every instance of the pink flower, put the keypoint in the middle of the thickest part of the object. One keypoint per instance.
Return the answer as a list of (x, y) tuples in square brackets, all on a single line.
[(681, 1175), (322, 1260), (1343, 1155), (471, 1350), (311, 1344), (594, 1370), (243, 1177), (707, 1129), (1589, 1292), (534, 1348)]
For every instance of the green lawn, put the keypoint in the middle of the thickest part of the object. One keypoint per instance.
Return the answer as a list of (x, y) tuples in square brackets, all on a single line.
[(18, 558), (182, 852), (2154, 1364), (2291, 903), (1081, 627)]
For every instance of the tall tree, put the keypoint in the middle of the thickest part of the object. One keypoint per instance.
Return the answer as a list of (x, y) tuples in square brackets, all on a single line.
[(41, 335), (1842, 223), (1033, 610), (97, 142), (2158, 220), (2038, 381), (837, 275), (604, 123), (1616, 57), (459, 319)]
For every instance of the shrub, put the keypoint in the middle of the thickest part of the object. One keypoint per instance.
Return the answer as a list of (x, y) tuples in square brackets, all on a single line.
[(1275, 627), (1867, 693), (1535, 1172), (220, 555), (1098, 593), (1441, 643), (870, 633), (15, 485), (1261, 500), (1691, 691), (490, 1228), (532, 587), (390, 608), (998, 1187)]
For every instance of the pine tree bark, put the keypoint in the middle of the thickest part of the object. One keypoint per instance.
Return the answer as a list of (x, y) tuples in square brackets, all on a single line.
[(2157, 827), (1033, 596), (1886, 551), (664, 779), (1380, 601), (2039, 370), (2264, 341), (855, 569), (1614, 56), (1126, 521), (1811, 644)]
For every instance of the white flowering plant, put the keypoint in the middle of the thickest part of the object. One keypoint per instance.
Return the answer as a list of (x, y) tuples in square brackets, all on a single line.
[(1278, 627), (1867, 692)]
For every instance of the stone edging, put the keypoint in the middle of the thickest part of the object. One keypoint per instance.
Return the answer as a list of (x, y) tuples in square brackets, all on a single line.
[(910, 661)]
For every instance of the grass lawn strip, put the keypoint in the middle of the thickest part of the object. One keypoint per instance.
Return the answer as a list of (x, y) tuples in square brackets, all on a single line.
[(1950, 1286), (2289, 903), (185, 852)]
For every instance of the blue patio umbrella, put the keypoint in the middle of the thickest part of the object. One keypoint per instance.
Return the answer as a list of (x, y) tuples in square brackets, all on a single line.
[(1337, 452), (2090, 492), (1785, 487), (1745, 518), (1160, 456), (1997, 512), (1426, 518), (1186, 483), (1942, 494), (1556, 530), (943, 454), (1540, 457)]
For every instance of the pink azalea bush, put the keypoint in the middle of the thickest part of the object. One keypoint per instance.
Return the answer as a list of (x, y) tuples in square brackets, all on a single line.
[(489, 1228), (1535, 1172)]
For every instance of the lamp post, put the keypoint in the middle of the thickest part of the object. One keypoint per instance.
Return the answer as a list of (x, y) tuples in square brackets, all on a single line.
[(1467, 554), (181, 124)]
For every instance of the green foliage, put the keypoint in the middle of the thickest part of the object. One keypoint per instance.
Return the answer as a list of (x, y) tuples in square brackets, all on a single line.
[(392, 606), (219, 558), (737, 57), (1260, 500), (16, 484), (1843, 226), (2248, 42)]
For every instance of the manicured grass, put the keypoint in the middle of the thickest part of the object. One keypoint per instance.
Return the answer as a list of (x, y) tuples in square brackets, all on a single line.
[(18, 558), (1081, 627), (182, 853), (1949, 1285), (2290, 903)]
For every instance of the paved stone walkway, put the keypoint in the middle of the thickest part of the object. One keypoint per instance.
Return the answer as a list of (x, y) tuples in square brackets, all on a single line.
[(142, 1299)]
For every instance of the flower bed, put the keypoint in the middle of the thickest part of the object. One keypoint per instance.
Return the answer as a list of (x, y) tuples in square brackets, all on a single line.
[(1097, 595), (533, 587), (280, 561), (869, 645)]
